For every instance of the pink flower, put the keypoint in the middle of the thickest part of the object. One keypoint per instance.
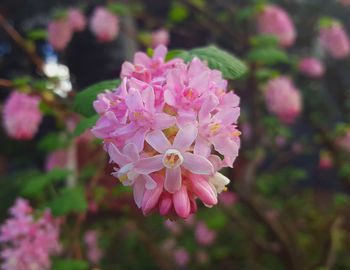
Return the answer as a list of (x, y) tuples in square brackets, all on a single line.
[(273, 20), (204, 235), (283, 99), (160, 37), (181, 256), (311, 67), (228, 198), (344, 2), (326, 161), (21, 115), (344, 141), (104, 24), (94, 253), (57, 159), (28, 242), (59, 34), (76, 20), (160, 126), (335, 40)]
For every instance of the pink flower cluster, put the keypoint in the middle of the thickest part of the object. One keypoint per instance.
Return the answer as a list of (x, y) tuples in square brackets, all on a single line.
[(94, 253), (28, 243), (104, 24), (335, 40), (21, 115), (311, 67), (273, 20), (283, 99), (60, 31), (160, 127)]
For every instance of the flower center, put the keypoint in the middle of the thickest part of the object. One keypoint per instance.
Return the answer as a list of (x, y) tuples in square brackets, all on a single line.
[(172, 158), (214, 128)]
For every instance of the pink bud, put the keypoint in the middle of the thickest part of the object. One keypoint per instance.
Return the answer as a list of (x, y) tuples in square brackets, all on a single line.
[(203, 190), (335, 40), (273, 20), (160, 37), (311, 67), (151, 197), (76, 20), (204, 235), (59, 34), (182, 202), (165, 204), (104, 24), (181, 256)]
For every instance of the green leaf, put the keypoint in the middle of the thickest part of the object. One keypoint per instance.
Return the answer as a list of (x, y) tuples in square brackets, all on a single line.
[(174, 53), (84, 99), (70, 200), (263, 41), (53, 141), (267, 56), (230, 66), (85, 124), (36, 184), (178, 12), (69, 264), (37, 34), (118, 8)]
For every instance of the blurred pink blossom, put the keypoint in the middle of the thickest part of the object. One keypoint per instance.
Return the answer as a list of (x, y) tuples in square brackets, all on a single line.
[(344, 2), (173, 226), (76, 20), (160, 37), (228, 198), (274, 20), (344, 140), (57, 160), (204, 235), (28, 242), (21, 115), (181, 256), (59, 34), (311, 67), (94, 253), (283, 99), (104, 24), (326, 161), (335, 40)]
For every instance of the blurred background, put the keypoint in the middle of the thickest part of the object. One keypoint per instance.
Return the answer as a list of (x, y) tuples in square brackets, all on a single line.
[(287, 206)]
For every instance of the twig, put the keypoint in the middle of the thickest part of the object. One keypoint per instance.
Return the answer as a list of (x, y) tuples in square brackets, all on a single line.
[(21, 42)]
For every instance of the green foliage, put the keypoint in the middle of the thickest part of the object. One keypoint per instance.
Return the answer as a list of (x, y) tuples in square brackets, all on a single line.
[(230, 66), (36, 184), (268, 56), (53, 141), (70, 200), (69, 264), (37, 34), (84, 99), (85, 124), (118, 8), (264, 41), (178, 12)]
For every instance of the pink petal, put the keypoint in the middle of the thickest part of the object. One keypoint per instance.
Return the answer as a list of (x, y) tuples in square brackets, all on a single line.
[(208, 106), (182, 203), (151, 198), (117, 156), (229, 99), (165, 204), (160, 52), (130, 150), (163, 121), (172, 179), (197, 164), (141, 58), (227, 116), (139, 138), (185, 137), (133, 100), (149, 182), (158, 141), (149, 164), (200, 82), (148, 98), (202, 147), (138, 191), (203, 190)]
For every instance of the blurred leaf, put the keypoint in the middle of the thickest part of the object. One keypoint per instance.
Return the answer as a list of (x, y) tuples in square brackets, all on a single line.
[(84, 99), (21, 81), (264, 41), (245, 13), (69, 264), (36, 184), (267, 56), (266, 73), (178, 12), (53, 141), (325, 22), (85, 124), (341, 199), (46, 109), (37, 34), (70, 200), (118, 8), (173, 54), (230, 66)]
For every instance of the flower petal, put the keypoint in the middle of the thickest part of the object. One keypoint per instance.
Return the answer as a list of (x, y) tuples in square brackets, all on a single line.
[(203, 190), (149, 164), (163, 121), (148, 98), (227, 116), (165, 204), (130, 150), (197, 164), (182, 202), (185, 137), (139, 138), (209, 104), (138, 191), (160, 52), (202, 147), (117, 156), (158, 141), (172, 179), (149, 182), (133, 100)]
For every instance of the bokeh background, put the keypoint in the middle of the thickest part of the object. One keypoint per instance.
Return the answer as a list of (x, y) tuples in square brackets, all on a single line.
[(287, 206)]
